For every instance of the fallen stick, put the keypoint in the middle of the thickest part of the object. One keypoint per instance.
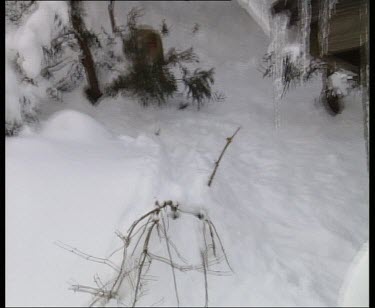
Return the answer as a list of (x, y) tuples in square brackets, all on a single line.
[(229, 140)]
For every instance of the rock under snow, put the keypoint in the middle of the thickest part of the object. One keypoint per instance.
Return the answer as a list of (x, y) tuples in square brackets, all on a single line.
[(71, 124)]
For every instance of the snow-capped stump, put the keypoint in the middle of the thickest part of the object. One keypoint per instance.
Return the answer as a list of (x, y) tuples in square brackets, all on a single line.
[(74, 125)]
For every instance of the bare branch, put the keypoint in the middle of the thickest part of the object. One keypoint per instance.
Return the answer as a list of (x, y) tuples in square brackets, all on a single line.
[(87, 256), (221, 244), (143, 232), (144, 253), (229, 140)]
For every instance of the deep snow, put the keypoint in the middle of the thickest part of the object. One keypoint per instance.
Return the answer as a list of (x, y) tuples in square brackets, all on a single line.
[(291, 204)]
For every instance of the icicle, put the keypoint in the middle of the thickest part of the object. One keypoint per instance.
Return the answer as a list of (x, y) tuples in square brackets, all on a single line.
[(283, 50), (279, 41), (325, 13)]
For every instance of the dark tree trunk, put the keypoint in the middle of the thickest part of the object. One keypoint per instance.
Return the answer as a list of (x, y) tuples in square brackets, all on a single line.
[(364, 72), (112, 16), (93, 91)]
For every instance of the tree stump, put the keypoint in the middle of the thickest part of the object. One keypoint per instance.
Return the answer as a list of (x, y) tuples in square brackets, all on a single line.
[(149, 46)]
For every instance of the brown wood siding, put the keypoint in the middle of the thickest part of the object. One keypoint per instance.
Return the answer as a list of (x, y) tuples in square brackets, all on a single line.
[(347, 36), (345, 26), (345, 23)]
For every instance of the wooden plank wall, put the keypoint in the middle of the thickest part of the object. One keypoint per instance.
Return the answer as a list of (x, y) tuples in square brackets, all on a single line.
[(345, 26), (347, 34)]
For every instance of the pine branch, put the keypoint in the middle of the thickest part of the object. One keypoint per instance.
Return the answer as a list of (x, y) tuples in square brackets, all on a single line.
[(164, 29), (174, 57)]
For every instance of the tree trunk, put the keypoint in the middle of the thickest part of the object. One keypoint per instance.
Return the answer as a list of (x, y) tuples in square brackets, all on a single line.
[(112, 16), (364, 73), (93, 91)]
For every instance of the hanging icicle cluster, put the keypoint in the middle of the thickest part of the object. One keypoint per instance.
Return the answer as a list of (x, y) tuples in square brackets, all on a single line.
[(288, 60), (305, 20)]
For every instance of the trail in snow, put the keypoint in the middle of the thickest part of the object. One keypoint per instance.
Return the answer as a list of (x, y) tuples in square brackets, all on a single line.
[(290, 204)]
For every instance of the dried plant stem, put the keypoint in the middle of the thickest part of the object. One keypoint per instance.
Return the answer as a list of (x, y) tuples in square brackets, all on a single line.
[(170, 257), (87, 256), (178, 254), (142, 263), (156, 210), (187, 268), (212, 237), (221, 244), (136, 274), (229, 140), (139, 239), (121, 274), (204, 262)]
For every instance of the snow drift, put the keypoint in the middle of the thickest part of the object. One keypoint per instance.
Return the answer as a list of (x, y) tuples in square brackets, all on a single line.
[(74, 125)]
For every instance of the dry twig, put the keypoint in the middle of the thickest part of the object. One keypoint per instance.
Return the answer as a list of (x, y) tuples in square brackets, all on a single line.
[(170, 258), (229, 140), (204, 262), (136, 275)]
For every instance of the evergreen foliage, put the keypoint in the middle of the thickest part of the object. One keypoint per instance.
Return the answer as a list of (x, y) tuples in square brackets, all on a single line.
[(26, 99), (150, 83), (12, 128), (198, 84), (164, 29), (174, 57), (75, 54), (292, 71), (64, 70), (16, 10), (154, 83)]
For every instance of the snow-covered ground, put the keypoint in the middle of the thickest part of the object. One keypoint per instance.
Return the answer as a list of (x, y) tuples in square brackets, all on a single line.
[(290, 204)]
